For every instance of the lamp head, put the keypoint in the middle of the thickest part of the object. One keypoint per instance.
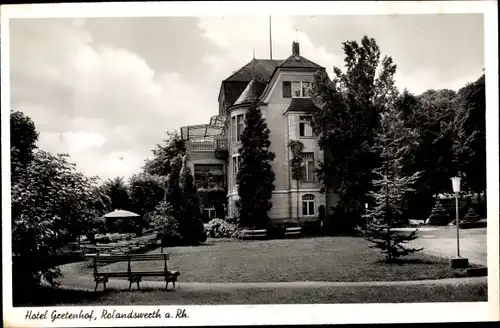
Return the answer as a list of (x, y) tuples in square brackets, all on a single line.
[(456, 184)]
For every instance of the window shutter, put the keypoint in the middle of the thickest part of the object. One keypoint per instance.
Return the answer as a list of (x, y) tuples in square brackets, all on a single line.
[(287, 89)]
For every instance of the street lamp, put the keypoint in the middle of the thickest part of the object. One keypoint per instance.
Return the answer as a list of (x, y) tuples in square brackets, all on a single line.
[(458, 262)]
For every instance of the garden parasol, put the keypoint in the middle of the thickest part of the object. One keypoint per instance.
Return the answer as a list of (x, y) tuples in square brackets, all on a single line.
[(121, 214), (122, 219)]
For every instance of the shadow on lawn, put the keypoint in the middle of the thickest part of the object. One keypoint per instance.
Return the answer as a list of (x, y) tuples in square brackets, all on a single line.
[(52, 296), (48, 296), (408, 261)]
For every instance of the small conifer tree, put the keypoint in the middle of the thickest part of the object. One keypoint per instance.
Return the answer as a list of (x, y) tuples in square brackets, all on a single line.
[(191, 225), (439, 215), (471, 215), (296, 148), (393, 143)]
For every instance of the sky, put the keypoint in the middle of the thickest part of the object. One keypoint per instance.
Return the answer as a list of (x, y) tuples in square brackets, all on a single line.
[(105, 90)]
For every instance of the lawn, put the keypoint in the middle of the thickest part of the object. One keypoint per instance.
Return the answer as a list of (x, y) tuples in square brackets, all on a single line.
[(325, 295), (309, 259)]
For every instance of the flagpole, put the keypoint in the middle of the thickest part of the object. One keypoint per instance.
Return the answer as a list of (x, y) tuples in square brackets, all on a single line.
[(270, 40)]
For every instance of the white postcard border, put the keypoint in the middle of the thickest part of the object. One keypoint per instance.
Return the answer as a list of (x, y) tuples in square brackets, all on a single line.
[(272, 314)]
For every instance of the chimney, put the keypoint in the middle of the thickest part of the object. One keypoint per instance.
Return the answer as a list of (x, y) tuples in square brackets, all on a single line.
[(295, 49)]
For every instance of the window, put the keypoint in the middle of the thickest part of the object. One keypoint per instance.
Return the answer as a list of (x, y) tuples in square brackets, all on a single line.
[(305, 129), (210, 213), (296, 89), (241, 126), (233, 124), (287, 89), (308, 205), (308, 167), (306, 89), (238, 125)]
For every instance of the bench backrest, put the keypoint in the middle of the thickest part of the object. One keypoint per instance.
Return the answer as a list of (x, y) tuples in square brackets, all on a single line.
[(131, 257), (254, 232)]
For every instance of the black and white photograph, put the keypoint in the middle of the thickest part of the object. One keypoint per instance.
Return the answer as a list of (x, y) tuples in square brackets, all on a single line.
[(169, 161)]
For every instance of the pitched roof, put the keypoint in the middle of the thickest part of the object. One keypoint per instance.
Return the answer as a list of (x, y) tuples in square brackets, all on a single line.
[(251, 93), (295, 61), (260, 69), (301, 105), (232, 90)]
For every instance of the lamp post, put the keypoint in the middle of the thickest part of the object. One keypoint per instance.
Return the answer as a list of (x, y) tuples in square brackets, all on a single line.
[(458, 262)]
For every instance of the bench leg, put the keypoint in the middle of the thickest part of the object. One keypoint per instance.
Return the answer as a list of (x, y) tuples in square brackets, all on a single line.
[(96, 284), (104, 283), (166, 285), (130, 285), (138, 284)]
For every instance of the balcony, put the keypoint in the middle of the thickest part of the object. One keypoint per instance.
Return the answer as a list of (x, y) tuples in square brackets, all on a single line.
[(206, 145)]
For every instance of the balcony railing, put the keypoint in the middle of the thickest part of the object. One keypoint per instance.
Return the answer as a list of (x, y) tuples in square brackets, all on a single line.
[(207, 145)]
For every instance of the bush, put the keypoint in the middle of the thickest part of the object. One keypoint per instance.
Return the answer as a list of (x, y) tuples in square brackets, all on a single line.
[(439, 215), (471, 216), (166, 225), (218, 228), (276, 230), (232, 220), (312, 228)]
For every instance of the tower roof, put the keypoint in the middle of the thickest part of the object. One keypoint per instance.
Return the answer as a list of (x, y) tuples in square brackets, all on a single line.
[(251, 93)]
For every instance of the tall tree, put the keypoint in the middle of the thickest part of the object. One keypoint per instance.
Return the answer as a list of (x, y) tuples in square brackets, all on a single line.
[(392, 143), (23, 142), (118, 193), (146, 192), (469, 142), (347, 120), (159, 164), (431, 114), (255, 175)]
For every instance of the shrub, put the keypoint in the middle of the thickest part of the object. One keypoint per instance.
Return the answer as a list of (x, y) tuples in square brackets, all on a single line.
[(312, 228), (218, 228), (471, 216), (232, 220), (439, 215), (276, 230), (166, 224)]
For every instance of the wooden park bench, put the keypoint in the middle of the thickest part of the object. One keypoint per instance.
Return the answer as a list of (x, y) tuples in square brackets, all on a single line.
[(132, 275), (293, 231), (253, 234)]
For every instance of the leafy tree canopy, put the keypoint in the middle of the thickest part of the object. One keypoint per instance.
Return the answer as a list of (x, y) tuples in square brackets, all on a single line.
[(159, 164)]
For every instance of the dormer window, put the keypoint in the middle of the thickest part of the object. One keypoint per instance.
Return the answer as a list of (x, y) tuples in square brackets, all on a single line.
[(296, 89), (306, 89)]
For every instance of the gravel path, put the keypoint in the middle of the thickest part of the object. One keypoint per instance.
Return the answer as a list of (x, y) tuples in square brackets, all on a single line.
[(87, 283), (443, 242)]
